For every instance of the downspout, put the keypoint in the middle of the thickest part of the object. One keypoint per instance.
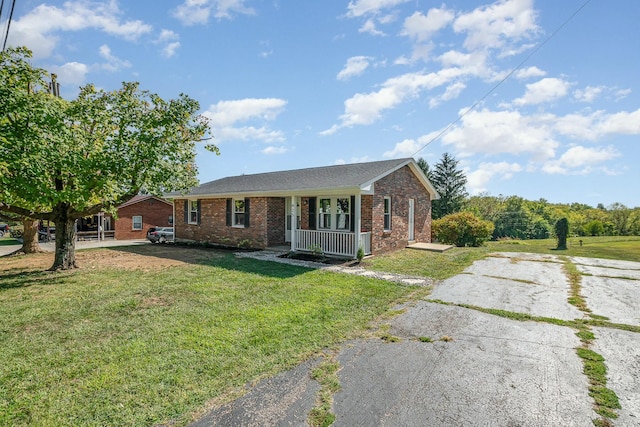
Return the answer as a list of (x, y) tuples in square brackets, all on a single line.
[(358, 223), (294, 219)]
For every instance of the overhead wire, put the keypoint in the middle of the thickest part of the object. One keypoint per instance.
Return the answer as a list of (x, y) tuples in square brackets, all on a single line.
[(1, 10), (6, 34), (516, 68)]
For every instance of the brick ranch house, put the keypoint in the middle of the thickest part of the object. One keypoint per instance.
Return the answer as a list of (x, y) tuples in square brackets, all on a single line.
[(387, 202), (138, 214)]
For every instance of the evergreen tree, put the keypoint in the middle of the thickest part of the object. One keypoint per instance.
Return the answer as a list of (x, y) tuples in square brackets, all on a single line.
[(450, 183), (422, 163)]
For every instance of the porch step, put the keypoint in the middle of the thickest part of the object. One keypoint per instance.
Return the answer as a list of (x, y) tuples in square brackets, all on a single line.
[(433, 247)]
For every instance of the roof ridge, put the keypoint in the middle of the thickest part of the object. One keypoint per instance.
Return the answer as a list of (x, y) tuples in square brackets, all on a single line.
[(344, 165)]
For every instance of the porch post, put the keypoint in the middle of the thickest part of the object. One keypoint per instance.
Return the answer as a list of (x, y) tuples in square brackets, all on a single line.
[(358, 223), (294, 219)]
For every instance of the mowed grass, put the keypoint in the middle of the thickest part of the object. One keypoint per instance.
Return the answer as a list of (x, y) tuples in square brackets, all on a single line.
[(7, 241), (128, 347), (454, 261)]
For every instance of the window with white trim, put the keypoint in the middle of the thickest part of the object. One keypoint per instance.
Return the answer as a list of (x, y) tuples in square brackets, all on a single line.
[(387, 214), (193, 211), (238, 212), (324, 214), (343, 216), (334, 213), (136, 222)]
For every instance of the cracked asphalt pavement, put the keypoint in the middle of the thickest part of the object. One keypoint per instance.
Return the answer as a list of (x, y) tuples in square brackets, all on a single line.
[(456, 366)]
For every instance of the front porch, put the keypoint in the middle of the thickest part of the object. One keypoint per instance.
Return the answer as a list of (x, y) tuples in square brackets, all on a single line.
[(332, 242)]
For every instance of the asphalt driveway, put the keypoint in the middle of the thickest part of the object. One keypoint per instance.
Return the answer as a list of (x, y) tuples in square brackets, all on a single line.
[(455, 366)]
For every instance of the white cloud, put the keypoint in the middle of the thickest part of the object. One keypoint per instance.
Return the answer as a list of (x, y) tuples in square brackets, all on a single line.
[(226, 116), (503, 132), (37, 29), (478, 179), (170, 49), (370, 7), (473, 64), (546, 90), (453, 91), (193, 12), (422, 27), (588, 94), (496, 25), (598, 125), (410, 147), (621, 123), (71, 73), (113, 63), (580, 160), (369, 26), (537, 136), (355, 66), (525, 73), (621, 93), (170, 41), (275, 150), (365, 109)]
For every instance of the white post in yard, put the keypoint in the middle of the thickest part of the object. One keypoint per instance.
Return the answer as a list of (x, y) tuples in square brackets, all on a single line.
[(358, 222), (294, 218), (99, 226)]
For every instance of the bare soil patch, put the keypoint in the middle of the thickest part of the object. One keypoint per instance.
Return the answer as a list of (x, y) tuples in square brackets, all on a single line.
[(146, 258)]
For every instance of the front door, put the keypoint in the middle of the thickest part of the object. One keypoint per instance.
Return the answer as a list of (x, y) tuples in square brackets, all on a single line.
[(287, 215), (411, 220)]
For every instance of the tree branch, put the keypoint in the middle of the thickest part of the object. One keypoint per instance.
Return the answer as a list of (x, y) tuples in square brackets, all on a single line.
[(25, 212)]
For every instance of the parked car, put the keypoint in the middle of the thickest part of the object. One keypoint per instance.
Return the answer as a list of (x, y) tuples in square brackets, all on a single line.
[(160, 234), (47, 235), (4, 228)]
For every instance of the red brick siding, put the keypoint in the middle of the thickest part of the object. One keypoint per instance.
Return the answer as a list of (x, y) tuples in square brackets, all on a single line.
[(304, 213), (275, 221), (401, 186), (366, 213), (266, 223), (154, 213)]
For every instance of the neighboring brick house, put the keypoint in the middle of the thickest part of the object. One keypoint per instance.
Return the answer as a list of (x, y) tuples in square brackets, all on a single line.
[(388, 202), (138, 214)]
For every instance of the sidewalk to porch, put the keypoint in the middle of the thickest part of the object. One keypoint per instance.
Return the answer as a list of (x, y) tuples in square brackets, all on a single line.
[(273, 254)]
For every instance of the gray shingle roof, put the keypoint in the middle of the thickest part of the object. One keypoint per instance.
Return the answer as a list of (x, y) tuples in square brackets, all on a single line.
[(318, 178)]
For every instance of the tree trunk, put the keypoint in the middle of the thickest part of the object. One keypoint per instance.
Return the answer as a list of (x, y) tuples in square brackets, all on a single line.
[(65, 255), (30, 237)]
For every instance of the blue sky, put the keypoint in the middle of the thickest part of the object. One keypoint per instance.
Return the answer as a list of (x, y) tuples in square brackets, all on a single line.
[(295, 84)]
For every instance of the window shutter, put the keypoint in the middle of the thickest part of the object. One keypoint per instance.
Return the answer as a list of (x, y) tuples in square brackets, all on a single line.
[(352, 216), (199, 214), (229, 211), (312, 213), (246, 212), (186, 212)]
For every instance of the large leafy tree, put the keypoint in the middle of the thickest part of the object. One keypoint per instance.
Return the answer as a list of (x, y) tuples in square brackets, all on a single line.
[(63, 160), (450, 182)]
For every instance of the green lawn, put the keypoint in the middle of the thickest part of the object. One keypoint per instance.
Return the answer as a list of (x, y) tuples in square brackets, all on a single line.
[(454, 261), (110, 346), (116, 347), (6, 241)]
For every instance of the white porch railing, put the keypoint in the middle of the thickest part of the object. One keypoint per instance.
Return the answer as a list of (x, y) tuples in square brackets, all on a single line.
[(332, 242)]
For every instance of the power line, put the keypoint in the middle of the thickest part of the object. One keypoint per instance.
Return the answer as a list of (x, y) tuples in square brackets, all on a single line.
[(475, 104), (6, 34)]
